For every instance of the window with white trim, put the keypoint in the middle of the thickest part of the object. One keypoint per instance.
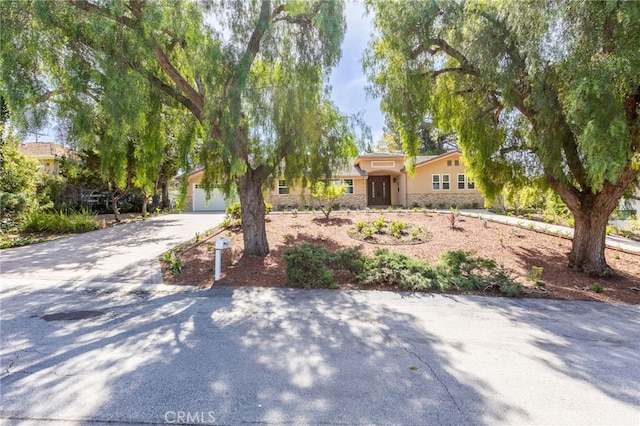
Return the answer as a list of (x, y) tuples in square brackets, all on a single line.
[(435, 182), (461, 181), (349, 185), (446, 182), (334, 182), (471, 184), (283, 189)]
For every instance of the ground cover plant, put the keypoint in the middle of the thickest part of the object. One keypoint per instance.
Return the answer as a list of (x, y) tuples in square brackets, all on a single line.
[(535, 260)]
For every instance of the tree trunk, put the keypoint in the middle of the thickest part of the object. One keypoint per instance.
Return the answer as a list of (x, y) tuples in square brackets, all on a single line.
[(589, 237), (145, 203), (166, 201), (253, 214), (114, 206)]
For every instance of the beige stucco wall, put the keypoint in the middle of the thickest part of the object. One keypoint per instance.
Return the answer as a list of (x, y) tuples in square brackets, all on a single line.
[(193, 179), (420, 189)]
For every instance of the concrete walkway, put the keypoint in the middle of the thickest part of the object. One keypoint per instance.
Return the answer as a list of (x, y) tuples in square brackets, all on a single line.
[(612, 241), (122, 256)]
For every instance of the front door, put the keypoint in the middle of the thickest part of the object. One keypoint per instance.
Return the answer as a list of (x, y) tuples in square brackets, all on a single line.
[(379, 191)]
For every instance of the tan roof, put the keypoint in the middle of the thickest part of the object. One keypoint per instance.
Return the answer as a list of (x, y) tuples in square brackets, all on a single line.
[(45, 150)]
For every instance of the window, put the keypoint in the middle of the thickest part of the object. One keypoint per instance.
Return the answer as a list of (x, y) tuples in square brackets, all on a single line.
[(349, 184), (461, 180), (448, 163), (282, 187), (457, 162), (471, 184), (334, 182), (435, 179), (446, 182)]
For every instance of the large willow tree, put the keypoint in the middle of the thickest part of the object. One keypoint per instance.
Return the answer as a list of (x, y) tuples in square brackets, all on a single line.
[(538, 88), (252, 75)]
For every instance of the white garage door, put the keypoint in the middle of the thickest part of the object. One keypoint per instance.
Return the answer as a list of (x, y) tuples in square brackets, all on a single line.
[(217, 202)]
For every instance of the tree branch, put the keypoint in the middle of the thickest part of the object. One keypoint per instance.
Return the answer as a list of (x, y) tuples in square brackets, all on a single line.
[(196, 98), (94, 8)]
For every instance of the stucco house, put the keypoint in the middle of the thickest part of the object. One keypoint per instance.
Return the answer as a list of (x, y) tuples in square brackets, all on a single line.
[(373, 180), (48, 154)]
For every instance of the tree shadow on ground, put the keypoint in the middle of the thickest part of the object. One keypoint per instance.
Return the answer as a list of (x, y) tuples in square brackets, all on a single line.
[(332, 221), (243, 354)]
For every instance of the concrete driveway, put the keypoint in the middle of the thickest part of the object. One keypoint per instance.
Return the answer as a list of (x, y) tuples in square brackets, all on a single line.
[(280, 356), (121, 255)]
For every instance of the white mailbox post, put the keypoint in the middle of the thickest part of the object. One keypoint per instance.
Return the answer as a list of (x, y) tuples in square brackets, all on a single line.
[(221, 244)]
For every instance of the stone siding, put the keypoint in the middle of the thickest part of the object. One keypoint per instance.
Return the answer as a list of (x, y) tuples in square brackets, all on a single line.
[(188, 203), (297, 201), (473, 200)]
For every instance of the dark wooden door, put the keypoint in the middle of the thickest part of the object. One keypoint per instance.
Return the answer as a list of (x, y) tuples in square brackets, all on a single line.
[(379, 191)]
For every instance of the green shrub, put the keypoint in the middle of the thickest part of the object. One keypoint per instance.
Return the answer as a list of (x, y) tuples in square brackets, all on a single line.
[(597, 288), (350, 259), (311, 266), (234, 211), (397, 228), (60, 222), (396, 269), (466, 272), (361, 225), (305, 266), (379, 225)]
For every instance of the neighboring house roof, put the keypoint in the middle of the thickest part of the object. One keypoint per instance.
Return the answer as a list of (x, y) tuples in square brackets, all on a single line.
[(45, 150), (425, 159)]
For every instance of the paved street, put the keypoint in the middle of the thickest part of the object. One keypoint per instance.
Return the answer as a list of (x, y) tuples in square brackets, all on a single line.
[(281, 356), (77, 353)]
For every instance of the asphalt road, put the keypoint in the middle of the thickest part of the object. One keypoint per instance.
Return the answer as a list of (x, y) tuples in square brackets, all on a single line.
[(73, 352), (280, 356)]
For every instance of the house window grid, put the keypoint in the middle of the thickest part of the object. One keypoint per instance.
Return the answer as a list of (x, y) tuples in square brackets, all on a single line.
[(461, 181), (283, 189), (349, 185), (446, 182), (435, 182), (471, 184)]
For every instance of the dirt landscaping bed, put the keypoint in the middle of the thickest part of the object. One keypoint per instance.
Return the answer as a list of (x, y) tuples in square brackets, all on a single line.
[(519, 250)]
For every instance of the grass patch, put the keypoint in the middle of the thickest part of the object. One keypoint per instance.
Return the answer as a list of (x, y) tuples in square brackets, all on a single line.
[(60, 222)]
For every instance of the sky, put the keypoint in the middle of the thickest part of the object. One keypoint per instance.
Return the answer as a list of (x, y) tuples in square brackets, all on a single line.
[(347, 79)]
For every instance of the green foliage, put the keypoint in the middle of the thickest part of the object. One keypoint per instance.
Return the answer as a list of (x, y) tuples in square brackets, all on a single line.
[(176, 266), (388, 268), (311, 266), (534, 275), (60, 222), (234, 214), (238, 87), (461, 269), (536, 91), (19, 178), (234, 211), (379, 225), (397, 229), (596, 288), (325, 195)]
